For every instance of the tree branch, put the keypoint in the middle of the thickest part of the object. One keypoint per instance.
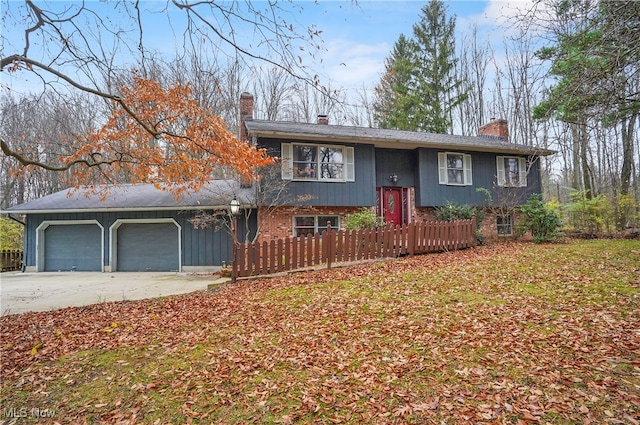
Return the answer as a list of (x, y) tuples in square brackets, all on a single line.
[(15, 59), (24, 161)]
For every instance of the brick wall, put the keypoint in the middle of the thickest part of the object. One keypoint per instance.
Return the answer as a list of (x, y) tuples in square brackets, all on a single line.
[(498, 128), (277, 223), (246, 110)]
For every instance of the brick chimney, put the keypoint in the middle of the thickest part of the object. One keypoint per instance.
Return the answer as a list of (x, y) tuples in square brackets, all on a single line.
[(246, 111), (496, 127), (323, 120)]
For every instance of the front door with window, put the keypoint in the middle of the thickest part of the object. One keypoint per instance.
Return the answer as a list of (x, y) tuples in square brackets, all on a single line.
[(392, 205)]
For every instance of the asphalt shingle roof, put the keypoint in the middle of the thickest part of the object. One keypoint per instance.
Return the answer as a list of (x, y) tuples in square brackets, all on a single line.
[(218, 193), (386, 138), (215, 194)]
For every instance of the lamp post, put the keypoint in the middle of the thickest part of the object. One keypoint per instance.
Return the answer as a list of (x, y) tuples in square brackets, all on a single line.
[(234, 209)]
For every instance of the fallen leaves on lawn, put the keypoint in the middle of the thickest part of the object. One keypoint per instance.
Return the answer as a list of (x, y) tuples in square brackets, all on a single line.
[(458, 337)]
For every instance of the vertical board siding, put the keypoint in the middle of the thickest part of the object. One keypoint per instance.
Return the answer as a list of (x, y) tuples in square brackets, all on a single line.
[(430, 193), (361, 192), (200, 247), (395, 161)]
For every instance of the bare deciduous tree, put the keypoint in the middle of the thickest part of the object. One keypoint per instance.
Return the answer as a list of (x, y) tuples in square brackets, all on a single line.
[(69, 47)]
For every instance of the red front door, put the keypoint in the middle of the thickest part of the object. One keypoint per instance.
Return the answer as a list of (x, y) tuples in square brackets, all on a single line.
[(392, 204)]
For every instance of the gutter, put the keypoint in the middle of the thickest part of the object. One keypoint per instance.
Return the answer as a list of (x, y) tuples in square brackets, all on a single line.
[(15, 219), (507, 148), (122, 209)]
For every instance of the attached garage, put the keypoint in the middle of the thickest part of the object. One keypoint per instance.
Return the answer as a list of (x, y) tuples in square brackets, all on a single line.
[(145, 245), (134, 228), (70, 246)]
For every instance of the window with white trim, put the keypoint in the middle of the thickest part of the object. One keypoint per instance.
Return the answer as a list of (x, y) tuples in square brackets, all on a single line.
[(312, 224), (512, 171), (504, 224), (317, 162), (454, 169)]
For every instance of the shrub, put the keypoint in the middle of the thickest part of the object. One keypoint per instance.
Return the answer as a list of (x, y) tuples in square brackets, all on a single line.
[(10, 234), (363, 219), (451, 211), (540, 219), (588, 215), (602, 213)]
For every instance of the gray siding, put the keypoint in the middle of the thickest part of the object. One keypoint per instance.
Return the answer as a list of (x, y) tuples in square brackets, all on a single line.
[(415, 168), (200, 247), (429, 192), (361, 192), (399, 162)]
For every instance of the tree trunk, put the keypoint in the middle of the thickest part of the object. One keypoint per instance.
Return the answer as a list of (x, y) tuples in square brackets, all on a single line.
[(627, 153), (576, 182)]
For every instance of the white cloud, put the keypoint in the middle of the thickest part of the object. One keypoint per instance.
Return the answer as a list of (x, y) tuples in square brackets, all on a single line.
[(351, 64), (505, 17)]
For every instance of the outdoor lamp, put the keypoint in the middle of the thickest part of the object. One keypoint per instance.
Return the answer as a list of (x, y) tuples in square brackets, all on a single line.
[(234, 206), (234, 209)]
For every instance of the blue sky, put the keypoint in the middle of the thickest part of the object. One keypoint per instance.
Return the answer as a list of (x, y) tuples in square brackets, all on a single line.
[(357, 36)]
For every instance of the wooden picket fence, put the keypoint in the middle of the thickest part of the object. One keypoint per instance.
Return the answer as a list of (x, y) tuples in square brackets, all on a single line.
[(10, 259), (339, 246)]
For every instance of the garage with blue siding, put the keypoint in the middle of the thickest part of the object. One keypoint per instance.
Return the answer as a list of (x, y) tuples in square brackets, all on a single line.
[(136, 228)]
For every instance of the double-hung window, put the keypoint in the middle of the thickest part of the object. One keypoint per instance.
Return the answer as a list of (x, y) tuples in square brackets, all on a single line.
[(311, 224), (512, 171), (454, 169), (317, 162)]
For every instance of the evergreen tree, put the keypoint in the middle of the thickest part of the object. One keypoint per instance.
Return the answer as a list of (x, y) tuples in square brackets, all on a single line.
[(394, 104), (419, 89), (435, 60), (596, 61)]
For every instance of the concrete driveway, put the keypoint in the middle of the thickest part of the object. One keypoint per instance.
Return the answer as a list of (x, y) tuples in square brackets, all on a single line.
[(26, 292)]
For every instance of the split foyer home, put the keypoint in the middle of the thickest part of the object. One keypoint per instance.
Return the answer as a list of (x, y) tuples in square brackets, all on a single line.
[(327, 172)]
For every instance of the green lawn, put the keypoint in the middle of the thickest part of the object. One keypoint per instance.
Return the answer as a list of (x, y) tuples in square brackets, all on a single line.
[(512, 333)]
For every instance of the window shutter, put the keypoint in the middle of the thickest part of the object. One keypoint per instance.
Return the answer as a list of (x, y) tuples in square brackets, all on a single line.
[(350, 172), (500, 169), (522, 169), (468, 178), (286, 161), (442, 167)]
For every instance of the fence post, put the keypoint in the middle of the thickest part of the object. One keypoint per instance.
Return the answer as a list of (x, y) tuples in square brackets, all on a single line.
[(411, 238), (473, 231), (329, 245)]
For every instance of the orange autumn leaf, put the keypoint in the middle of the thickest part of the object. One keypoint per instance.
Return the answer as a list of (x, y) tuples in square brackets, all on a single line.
[(163, 136)]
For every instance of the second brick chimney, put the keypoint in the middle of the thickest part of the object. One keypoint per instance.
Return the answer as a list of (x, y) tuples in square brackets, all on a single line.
[(246, 111), (496, 127), (323, 119)]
